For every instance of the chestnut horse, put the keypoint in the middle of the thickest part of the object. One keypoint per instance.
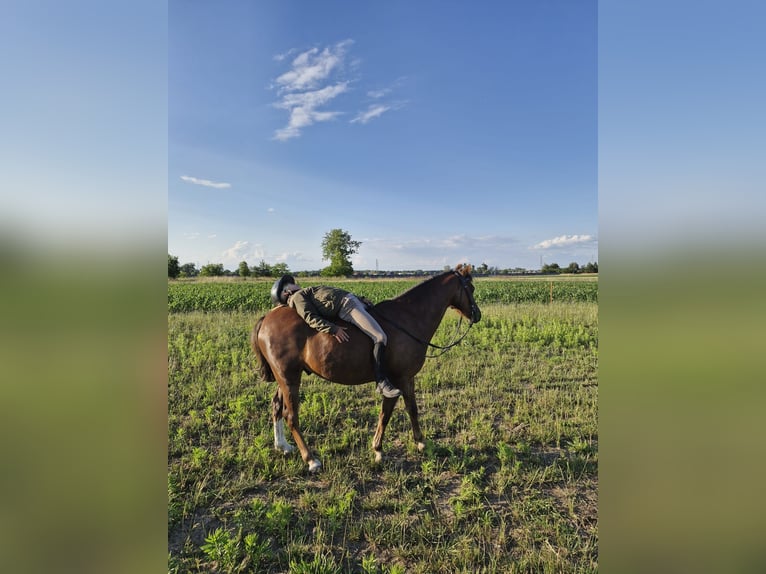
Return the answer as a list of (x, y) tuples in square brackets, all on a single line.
[(286, 347)]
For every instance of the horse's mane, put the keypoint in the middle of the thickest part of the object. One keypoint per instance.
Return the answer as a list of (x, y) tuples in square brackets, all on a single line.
[(462, 269)]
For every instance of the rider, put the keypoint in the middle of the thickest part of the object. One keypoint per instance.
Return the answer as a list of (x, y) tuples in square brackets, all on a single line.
[(316, 305)]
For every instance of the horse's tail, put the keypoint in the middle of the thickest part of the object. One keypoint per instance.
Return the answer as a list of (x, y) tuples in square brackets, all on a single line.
[(264, 369)]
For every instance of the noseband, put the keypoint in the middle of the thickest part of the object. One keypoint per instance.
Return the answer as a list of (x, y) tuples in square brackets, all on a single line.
[(475, 313)]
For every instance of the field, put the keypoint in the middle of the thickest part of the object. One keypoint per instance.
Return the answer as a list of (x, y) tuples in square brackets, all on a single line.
[(507, 482)]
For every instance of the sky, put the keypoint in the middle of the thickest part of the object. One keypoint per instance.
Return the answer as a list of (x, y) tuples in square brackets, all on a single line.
[(432, 132)]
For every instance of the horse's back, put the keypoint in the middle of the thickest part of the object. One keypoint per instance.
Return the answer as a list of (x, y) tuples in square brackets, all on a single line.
[(290, 346)]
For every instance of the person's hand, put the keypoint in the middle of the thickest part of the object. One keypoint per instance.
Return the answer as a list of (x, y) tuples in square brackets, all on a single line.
[(340, 335)]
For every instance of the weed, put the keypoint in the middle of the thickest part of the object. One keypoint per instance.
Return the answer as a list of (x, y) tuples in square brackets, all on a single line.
[(506, 483)]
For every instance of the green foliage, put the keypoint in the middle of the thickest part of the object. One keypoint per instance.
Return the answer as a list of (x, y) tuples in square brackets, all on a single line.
[(189, 270), (235, 553), (507, 481), (254, 295), (212, 270), (319, 564), (263, 269), (243, 270), (173, 268), (279, 269), (338, 247)]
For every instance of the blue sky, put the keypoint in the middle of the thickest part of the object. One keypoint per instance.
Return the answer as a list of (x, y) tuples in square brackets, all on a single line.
[(432, 132)]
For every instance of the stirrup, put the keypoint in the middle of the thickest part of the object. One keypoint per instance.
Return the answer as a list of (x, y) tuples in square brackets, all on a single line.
[(388, 390)]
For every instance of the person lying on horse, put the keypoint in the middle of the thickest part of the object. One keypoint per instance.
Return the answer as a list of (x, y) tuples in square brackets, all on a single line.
[(319, 305)]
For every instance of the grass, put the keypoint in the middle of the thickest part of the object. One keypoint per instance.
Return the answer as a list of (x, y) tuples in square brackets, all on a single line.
[(507, 481)]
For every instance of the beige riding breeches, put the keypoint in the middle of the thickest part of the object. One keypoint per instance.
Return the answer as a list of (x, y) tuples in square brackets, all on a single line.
[(353, 311)]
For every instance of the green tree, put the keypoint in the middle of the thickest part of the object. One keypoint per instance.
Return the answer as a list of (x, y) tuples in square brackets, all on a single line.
[(279, 269), (590, 268), (573, 268), (189, 270), (337, 248), (173, 268), (212, 270), (244, 270), (263, 269), (551, 268)]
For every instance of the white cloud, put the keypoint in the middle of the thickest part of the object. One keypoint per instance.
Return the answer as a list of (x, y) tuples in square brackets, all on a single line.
[(377, 94), (237, 250), (316, 78), (243, 251), (271, 210), (307, 86), (564, 241), (373, 111), (302, 107), (313, 66), (205, 182)]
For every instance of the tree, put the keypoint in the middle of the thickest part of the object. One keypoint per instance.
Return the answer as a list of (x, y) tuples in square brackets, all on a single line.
[(173, 268), (551, 268), (590, 268), (337, 247), (244, 270), (212, 270), (279, 269), (189, 270), (263, 269), (573, 268)]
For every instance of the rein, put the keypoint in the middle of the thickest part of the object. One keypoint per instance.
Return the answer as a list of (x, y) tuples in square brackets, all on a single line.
[(455, 341)]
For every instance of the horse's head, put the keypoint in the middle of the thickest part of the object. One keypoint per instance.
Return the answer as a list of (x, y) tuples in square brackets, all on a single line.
[(463, 300)]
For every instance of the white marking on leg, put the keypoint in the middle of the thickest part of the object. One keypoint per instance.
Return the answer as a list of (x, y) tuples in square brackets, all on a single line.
[(378, 456), (421, 446), (314, 465), (280, 442)]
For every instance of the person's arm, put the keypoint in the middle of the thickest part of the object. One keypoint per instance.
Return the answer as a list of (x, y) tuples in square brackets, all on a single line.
[(306, 309)]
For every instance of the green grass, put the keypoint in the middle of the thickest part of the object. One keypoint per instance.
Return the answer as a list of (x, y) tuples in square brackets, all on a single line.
[(237, 294), (507, 481)]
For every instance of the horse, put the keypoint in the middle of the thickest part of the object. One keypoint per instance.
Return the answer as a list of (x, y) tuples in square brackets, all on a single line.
[(286, 347)]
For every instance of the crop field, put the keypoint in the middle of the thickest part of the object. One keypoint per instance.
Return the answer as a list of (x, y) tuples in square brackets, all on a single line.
[(507, 482)]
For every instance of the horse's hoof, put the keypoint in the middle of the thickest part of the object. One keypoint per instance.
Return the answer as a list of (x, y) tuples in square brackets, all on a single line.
[(314, 466), (421, 446), (284, 448), (378, 457)]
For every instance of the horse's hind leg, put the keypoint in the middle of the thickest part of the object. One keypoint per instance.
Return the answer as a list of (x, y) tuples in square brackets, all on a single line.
[(383, 418), (277, 413), (408, 394)]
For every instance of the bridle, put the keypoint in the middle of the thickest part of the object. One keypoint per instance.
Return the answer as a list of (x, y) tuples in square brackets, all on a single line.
[(475, 315)]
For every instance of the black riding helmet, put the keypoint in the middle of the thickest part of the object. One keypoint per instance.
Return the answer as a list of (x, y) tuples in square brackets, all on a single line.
[(279, 285)]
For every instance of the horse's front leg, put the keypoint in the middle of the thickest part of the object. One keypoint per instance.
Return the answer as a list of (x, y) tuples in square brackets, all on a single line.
[(385, 415), (291, 399), (408, 394)]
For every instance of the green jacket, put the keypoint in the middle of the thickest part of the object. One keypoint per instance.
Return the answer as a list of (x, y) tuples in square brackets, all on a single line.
[(318, 304)]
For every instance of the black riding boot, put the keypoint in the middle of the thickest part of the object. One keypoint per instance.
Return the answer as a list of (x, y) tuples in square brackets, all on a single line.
[(384, 385)]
